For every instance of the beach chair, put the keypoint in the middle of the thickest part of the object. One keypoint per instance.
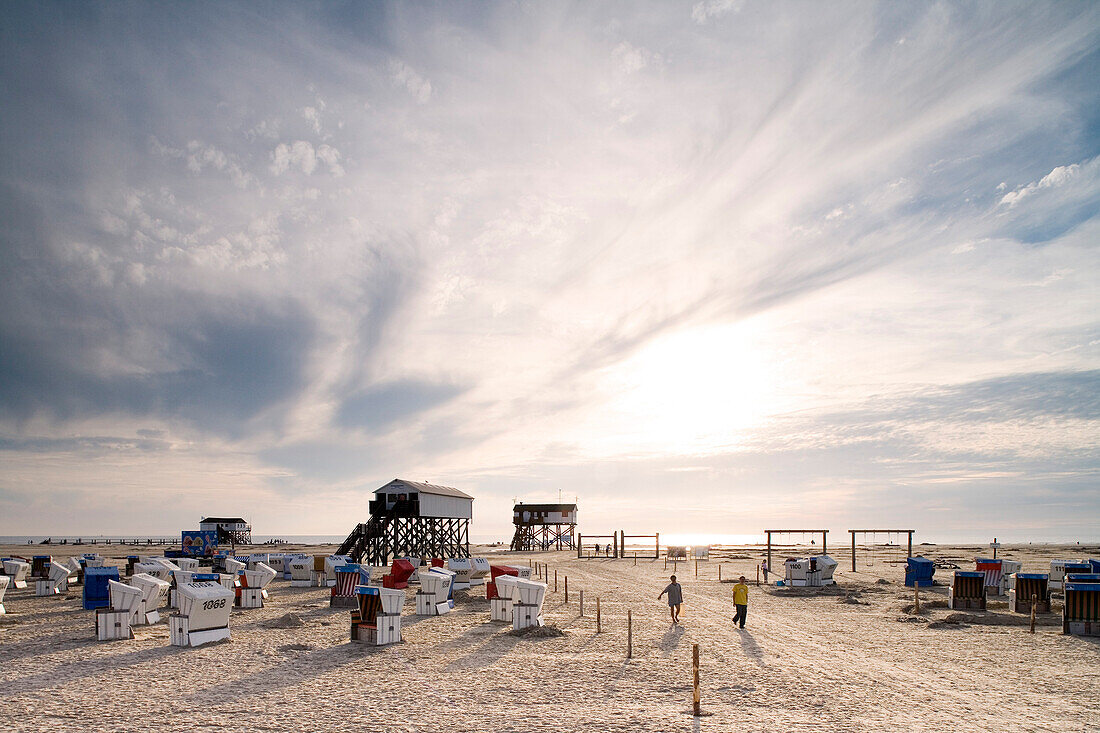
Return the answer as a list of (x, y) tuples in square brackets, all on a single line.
[(463, 570), (701, 553), (413, 560), (919, 572), (289, 559), (203, 616), (40, 567), (154, 568), (331, 563), (1083, 578), (496, 572), (254, 582), (993, 573), (1058, 572), (131, 560), (17, 570), (97, 592), (1024, 587), (810, 571), (5, 581), (434, 596), (481, 570), (76, 568), (527, 607), (1081, 609), (234, 566), (277, 562), (115, 620), (187, 563), (258, 557), (318, 575), (377, 619), (967, 591), (500, 605), (154, 592), (348, 576), (398, 577), (93, 560), (60, 574), (301, 572)]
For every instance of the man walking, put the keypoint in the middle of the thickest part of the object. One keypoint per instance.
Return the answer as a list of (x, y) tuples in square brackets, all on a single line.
[(675, 598), (764, 568), (741, 600)]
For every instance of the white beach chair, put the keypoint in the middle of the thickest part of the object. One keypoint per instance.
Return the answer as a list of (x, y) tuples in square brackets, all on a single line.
[(5, 581), (203, 616), (234, 567), (116, 621), (463, 570), (500, 606), (17, 570), (433, 598), (154, 592), (60, 573), (154, 568), (188, 563), (301, 572), (480, 570), (254, 582), (331, 563), (527, 607)]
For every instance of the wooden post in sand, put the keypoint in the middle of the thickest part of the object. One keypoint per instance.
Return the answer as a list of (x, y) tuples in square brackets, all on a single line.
[(758, 575), (1034, 599), (696, 568), (916, 599), (629, 635), (598, 629), (719, 572), (695, 680), (582, 602), (555, 580), (567, 589)]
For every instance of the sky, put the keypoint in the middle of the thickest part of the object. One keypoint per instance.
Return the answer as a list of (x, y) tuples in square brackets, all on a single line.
[(704, 267)]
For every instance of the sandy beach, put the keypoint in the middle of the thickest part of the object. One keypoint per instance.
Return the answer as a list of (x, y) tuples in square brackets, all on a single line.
[(851, 658)]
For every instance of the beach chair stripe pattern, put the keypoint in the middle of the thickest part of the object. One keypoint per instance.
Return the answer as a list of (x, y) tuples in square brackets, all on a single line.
[(968, 590), (343, 593), (1081, 614)]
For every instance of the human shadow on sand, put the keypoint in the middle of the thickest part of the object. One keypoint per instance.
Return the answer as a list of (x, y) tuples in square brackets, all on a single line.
[(671, 640), (751, 648)]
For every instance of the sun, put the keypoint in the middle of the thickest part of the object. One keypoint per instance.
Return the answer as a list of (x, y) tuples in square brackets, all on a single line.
[(695, 390)]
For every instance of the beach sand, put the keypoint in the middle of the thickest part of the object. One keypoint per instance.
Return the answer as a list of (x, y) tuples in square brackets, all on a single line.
[(849, 659)]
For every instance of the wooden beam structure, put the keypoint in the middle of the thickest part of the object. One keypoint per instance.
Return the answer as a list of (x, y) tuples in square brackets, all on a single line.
[(823, 532), (854, 532)]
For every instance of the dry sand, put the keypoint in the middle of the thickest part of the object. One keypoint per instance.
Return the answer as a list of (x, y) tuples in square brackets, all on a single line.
[(849, 659)]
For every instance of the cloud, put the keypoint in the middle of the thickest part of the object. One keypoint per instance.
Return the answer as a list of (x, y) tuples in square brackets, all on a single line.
[(416, 85), (1060, 176), (703, 12)]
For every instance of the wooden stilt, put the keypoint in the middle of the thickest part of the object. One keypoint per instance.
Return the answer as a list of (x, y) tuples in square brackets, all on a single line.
[(629, 635)]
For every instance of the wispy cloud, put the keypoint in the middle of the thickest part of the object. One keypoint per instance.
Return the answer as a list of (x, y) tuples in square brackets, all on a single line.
[(515, 245)]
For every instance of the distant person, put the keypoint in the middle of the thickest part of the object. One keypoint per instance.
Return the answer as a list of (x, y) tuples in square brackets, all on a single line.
[(597, 546), (675, 598), (609, 550), (741, 600), (764, 569)]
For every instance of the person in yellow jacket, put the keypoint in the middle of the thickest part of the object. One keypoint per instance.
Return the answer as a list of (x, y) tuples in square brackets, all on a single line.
[(741, 600)]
